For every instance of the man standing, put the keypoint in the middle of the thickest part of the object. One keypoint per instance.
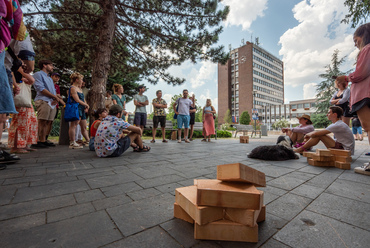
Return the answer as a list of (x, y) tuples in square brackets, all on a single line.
[(45, 102), (110, 140), (183, 115), (343, 134), (140, 102), (159, 106)]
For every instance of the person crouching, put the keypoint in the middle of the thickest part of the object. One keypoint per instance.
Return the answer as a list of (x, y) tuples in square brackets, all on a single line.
[(110, 139)]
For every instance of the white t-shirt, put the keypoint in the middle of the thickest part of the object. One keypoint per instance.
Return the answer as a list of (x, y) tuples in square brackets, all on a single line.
[(343, 135)]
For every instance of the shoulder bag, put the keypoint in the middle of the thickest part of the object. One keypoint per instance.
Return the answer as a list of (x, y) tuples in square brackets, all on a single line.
[(23, 99), (71, 110)]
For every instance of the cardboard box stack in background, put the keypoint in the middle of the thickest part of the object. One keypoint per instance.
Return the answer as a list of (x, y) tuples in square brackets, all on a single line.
[(227, 208), (330, 157), (244, 139)]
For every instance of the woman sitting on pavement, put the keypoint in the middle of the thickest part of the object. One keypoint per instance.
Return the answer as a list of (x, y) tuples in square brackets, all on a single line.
[(341, 98), (208, 121), (99, 115), (297, 134)]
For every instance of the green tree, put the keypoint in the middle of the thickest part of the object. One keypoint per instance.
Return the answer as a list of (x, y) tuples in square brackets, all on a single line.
[(245, 118), (325, 89), (320, 120), (227, 118), (140, 37), (359, 11), (280, 124)]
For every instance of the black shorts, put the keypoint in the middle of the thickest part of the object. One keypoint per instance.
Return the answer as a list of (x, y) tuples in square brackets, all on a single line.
[(192, 119), (159, 119), (359, 105), (140, 119), (122, 145)]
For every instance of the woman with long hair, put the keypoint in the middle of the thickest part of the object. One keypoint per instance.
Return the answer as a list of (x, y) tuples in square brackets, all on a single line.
[(360, 88), (118, 97), (77, 96), (208, 121), (341, 98)]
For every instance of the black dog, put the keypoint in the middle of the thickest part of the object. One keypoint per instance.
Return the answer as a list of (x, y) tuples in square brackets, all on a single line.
[(279, 152)]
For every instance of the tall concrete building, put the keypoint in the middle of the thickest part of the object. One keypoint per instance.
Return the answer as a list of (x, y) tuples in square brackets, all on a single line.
[(251, 78)]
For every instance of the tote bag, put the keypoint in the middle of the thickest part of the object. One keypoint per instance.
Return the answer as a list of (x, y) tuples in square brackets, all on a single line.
[(23, 99), (71, 110)]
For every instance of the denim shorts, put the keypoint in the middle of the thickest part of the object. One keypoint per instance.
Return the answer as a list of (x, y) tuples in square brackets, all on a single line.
[(357, 130), (183, 119)]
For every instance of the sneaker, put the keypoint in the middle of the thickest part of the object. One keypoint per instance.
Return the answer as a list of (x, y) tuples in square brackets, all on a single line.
[(179, 141), (74, 145), (48, 143), (7, 157), (365, 169), (39, 145)]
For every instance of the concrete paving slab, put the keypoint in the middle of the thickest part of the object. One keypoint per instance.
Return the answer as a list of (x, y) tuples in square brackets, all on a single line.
[(286, 182), (120, 189), (309, 229), (89, 195), (307, 191), (103, 181), (350, 189), (22, 223), (69, 212), (111, 202), (181, 231)]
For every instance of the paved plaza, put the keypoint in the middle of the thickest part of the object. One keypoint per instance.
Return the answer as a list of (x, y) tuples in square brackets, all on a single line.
[(59, 197)]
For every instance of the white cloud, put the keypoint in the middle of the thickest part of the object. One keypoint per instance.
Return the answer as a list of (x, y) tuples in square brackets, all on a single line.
[(244, 12), (309, 91), (206, 72), (308, 47)]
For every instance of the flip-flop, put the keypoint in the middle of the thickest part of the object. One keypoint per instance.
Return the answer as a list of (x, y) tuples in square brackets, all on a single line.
[(204, 140), (152, 141), (164, 141)]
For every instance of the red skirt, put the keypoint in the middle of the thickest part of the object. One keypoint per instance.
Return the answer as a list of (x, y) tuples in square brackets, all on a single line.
[(208, 125), (26, 124)]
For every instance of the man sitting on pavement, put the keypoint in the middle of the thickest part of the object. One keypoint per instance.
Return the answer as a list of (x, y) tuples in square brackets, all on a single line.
[(342, 133), (110, 140)]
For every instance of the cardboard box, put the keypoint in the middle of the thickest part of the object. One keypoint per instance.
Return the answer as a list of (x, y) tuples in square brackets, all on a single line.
[(226, 230), (180, 213), (340, 152), (216, 193), (240, 173), (343, 165), (246, 217), (186, 198)]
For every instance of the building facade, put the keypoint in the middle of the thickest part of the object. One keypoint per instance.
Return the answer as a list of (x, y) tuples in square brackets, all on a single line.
[(252, 78)]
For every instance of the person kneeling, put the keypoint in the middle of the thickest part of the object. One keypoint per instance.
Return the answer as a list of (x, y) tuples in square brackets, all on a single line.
[(342, 133), (110, 140)]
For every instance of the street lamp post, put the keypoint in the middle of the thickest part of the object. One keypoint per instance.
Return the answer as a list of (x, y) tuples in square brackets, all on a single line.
[(255, 127)]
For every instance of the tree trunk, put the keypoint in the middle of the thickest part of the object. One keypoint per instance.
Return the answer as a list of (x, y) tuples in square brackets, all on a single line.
[(101, 63)]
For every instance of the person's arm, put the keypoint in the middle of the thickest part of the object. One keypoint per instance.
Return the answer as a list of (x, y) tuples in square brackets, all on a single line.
[(174, 108), (362, 66), (97, 124), (75, 97), (203, 114), (333, 100), (135, 129), (213, 110), (345, 98), (319, 133), (146, 101), (305, 129), (30, 79)]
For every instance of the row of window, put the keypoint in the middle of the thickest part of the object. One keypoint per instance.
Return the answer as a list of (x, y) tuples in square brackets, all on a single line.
[(236, 68), (267, 70), (267, 63), (267, 84), (266, 56), (234, 55), (269, 98), (236, 61), (271, 92), (303, 105), (267, 77)]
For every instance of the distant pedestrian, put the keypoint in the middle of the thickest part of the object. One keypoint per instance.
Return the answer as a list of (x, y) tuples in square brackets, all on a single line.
[(183, 115), (357, 128), (208, 121), (99, 115), (360, 88), (159, 106), (140, 102), (341, 98), (192, 111), (110, 140), (76, 95)]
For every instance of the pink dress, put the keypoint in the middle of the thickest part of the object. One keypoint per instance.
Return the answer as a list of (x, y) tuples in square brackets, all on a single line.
[(209, 123)]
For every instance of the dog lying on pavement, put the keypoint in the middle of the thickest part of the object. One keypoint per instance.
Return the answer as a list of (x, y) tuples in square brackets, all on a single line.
[(281, 151)]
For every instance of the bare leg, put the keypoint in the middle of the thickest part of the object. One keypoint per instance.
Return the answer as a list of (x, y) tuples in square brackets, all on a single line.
[(136, 139), (72, 130), (84, 132), (154, 132), (364, 116), (163, 133), (48, 129), (346, 120), (326, 139), (42, 129), (179, 133), (186, 132), (191, 131)]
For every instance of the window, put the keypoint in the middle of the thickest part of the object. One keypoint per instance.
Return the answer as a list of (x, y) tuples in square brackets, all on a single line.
[(232, 68), (237, 74), (236, 67), (294, 106), (236, 61), (237, 99), (237, 86), (313, 104), (236, 55), (232, 55), (300, 106), (306, 105)]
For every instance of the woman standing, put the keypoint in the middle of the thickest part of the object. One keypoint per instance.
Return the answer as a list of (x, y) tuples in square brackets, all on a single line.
[(208, 121), (23, 129), (341, 98), (360, 88), (192, 111), (76, 95), (118, 97)]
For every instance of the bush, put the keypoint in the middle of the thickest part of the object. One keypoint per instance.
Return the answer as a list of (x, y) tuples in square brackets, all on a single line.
[(223, 134), (245, 118)]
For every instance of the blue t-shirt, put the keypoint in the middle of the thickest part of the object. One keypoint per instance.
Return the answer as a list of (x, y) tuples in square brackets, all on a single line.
[(43, 81)]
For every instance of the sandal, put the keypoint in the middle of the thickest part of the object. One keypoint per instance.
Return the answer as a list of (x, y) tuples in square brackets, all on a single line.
[(144, 149), (19, 151), (136, 148), (31, 149), (164, 141), (152, 141), (204, 140)]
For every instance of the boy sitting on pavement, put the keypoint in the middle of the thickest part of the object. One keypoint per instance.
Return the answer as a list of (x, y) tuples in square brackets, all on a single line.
[(342, 133), (110, 140)]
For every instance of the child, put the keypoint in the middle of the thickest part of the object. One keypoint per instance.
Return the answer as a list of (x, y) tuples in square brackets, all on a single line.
[(99, 115)]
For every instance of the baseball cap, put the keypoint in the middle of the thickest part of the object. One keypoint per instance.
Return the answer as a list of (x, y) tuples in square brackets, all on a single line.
[(55, 74)]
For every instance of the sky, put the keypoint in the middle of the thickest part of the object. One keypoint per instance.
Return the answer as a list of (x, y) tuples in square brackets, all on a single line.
[(303, 34)]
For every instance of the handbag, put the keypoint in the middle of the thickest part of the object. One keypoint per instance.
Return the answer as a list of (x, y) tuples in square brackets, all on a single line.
[(23, 99), (71, 110)]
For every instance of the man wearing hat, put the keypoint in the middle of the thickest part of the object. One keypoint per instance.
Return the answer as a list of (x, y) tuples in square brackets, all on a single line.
[(297, 134), (110, 140)]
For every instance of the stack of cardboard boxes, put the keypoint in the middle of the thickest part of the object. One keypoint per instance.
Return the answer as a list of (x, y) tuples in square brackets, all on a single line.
[(228, 208), (330, 157)]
